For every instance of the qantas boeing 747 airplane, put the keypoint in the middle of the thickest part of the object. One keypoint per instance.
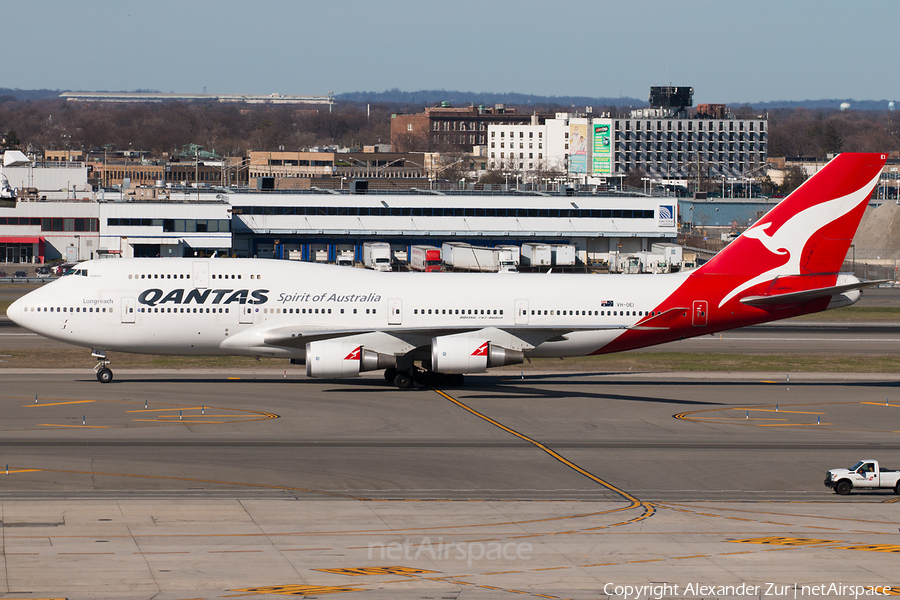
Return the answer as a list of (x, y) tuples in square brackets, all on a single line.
[(342, 321)]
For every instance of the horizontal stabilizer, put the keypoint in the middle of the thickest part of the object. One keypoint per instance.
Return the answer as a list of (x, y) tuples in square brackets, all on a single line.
[(807, 295)]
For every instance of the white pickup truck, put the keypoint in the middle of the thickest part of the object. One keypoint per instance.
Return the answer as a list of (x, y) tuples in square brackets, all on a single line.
[(865, 474)]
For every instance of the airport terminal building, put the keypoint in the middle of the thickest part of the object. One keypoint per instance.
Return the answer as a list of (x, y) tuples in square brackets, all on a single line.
[(311, 225)]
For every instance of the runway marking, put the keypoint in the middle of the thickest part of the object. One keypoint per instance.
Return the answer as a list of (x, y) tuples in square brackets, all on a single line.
[(793, 424), (191, 422), (669, 506), (784, 541), (701, 416), (75, 426), (297, 590), (238, 415), (544, 448), (361, 571), (880, 404), (796, 412), (872, 547), (57, 403), (648, 509), (165, 409)]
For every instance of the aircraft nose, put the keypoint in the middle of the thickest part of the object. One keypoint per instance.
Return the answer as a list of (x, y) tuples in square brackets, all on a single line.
[(15, 311)]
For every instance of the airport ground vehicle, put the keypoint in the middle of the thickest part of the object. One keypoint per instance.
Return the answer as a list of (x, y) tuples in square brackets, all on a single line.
[(866, 474), (563, 255), (341, 322), (425, 258), (377, 256), (466, 257), (537, 255)]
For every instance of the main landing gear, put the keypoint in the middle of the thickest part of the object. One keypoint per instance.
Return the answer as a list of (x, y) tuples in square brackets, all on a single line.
[(104, 373), (409, 378)]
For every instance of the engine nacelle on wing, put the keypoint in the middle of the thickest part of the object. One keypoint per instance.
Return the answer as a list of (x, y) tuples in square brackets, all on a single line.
[(453, 354), (336, 359)]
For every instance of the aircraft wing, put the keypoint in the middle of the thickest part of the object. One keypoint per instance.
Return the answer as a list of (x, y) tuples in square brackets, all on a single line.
[(298, 337)]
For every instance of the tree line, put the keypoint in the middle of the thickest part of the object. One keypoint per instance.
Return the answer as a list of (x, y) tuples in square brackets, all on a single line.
[(166, 128), (232, 129)]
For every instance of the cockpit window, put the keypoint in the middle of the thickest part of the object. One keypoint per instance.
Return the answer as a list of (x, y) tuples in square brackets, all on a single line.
[(76, 271)]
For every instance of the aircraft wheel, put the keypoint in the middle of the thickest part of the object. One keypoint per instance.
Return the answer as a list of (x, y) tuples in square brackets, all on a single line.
[(843, 487), (456, 379), (104, 375), (403, 381), (390, 374)]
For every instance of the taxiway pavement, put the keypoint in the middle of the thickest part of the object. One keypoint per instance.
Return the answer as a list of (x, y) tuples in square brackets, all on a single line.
[(209, 484)]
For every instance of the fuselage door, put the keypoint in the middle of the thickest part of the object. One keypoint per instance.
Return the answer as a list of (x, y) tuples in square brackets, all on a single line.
[(246, 314), (128, 309), (395, 311), (521, 312), (700, 313), (201, 274)]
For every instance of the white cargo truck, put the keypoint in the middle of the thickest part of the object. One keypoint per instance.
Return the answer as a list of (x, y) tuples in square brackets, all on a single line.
[(537, 255), (465, 257), (345, 256), (515, 251), (377, 256), (563, 255), (673, 253), (653, 262), (866, 474)]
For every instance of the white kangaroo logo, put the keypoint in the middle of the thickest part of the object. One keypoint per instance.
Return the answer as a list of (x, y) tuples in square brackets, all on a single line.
[(793, 235)]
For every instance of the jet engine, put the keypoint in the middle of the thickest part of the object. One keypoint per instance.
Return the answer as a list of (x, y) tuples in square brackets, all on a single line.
[(336, 359), (452, 354)]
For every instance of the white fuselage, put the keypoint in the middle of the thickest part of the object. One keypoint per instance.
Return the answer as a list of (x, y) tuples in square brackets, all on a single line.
[(232, 306)]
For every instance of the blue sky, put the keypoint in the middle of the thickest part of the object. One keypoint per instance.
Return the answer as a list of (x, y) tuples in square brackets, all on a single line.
[(728, 51)]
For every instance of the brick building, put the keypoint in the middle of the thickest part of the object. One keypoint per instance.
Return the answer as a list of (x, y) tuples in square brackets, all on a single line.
[(445, 128)]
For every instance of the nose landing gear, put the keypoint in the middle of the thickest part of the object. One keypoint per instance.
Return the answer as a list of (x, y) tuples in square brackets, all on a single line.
[(104, 373)]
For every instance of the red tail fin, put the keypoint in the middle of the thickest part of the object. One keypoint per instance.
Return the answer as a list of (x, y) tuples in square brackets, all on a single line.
[(809, 232)]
